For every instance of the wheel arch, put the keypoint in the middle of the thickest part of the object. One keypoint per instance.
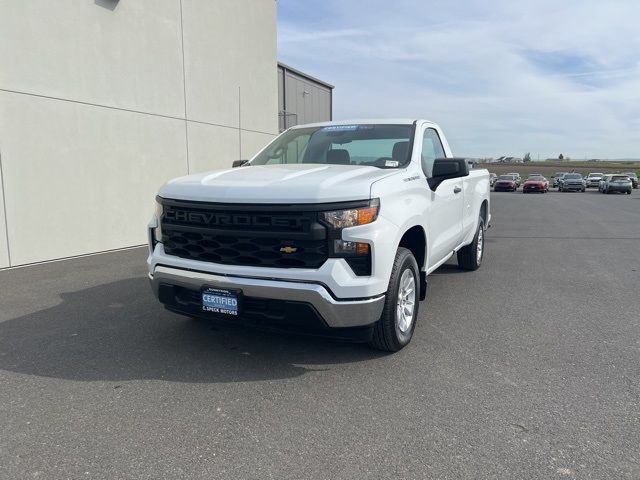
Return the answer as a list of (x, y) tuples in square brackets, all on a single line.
[(415, 240), (484, 210)]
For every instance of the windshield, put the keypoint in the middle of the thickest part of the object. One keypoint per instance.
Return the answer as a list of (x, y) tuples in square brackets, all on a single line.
[(619, 178), (595, 174), (536, 178), (572, 175), (382, 146), (506, 177)]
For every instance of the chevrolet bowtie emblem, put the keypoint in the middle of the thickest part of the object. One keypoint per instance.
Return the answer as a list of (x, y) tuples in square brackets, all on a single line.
[(288, 249)]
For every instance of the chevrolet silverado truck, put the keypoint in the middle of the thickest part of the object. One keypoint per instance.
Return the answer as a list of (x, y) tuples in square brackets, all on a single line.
[(332, 229)]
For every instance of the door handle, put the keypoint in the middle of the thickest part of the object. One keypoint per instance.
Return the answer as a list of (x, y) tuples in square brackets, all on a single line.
[(457, 189)]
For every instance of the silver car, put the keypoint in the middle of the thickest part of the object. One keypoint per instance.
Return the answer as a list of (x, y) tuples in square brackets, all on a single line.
[(617, 183), (593, 180), (572, 182)]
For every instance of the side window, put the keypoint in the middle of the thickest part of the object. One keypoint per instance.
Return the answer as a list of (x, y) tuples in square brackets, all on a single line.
[(431, 149)]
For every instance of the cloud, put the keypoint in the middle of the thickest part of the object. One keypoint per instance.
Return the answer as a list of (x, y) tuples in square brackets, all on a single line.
[(501, 77)]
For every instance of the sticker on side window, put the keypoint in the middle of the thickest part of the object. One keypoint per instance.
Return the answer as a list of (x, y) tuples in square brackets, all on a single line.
[(391, 163)]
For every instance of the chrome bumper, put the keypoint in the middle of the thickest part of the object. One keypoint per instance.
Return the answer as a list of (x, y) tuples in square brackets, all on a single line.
[(336, 313)]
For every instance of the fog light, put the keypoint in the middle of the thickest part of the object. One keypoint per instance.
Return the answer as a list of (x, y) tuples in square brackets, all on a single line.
[(344, 247)]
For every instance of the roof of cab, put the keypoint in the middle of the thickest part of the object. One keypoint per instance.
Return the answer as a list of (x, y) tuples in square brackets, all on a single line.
[(369, 121)]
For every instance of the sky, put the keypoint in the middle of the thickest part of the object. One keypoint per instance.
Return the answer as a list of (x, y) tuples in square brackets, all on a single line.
[(500, 77)]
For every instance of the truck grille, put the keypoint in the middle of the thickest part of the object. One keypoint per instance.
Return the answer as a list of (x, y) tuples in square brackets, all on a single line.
[(251, 235)]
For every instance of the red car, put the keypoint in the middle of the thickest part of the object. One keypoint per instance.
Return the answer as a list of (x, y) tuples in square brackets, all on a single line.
[(535, 183), (505, 183)]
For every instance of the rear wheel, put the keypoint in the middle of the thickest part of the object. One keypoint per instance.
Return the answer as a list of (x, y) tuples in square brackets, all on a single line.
[(396, 325), (470, 257)]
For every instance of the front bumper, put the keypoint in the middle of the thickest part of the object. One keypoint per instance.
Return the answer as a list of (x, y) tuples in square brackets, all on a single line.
[(333, 312), (504, 188), (573, 186)]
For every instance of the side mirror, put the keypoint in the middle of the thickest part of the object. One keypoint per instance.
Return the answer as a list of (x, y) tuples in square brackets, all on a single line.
[(238, 163), (445, 168)]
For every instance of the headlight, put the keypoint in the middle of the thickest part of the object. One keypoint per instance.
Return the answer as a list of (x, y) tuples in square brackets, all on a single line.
[(157, 232), (352, 217)]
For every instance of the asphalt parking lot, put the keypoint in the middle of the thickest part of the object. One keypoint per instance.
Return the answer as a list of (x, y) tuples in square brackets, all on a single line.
[(527, 368)]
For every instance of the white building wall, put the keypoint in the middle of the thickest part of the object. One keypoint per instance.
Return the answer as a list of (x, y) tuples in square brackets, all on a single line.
[(99, 106), (4, 246)]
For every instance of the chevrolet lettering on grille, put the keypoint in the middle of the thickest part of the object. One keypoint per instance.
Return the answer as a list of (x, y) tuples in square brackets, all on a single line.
[(224, 219)]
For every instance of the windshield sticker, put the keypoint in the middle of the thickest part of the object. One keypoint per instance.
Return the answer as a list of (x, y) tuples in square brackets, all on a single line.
[(340, 128), (391, 163)]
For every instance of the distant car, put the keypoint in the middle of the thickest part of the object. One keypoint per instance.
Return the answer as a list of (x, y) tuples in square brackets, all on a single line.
[(505, 183), (556, 178), (633, 177), (518, 178), (492, 178), (572, 182), (617, 183), (602, 182), (535, 183), (593, 179)]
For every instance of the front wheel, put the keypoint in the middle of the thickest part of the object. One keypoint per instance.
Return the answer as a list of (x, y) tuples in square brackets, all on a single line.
[(396, 325), (470, 257)]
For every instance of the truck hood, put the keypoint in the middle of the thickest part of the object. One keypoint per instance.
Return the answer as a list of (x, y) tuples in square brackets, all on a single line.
[(295, 183)]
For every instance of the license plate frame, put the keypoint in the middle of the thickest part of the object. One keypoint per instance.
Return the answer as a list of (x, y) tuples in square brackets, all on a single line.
[(221, 301)]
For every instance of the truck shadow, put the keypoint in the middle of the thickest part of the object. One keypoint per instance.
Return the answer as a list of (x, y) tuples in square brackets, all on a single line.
[(118, 332)]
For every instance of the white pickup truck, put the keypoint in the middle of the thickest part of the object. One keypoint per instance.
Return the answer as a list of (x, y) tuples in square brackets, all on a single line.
[(332, 228)]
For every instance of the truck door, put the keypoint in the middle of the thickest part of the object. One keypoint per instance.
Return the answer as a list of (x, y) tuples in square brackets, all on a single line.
[(444, 222)]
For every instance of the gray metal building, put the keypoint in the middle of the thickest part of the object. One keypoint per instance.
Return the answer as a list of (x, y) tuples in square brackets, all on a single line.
[(302, 98)]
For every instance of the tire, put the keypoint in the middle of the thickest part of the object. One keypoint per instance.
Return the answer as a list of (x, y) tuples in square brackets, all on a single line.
[(470, 256), (628, 192), (393, 332)]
